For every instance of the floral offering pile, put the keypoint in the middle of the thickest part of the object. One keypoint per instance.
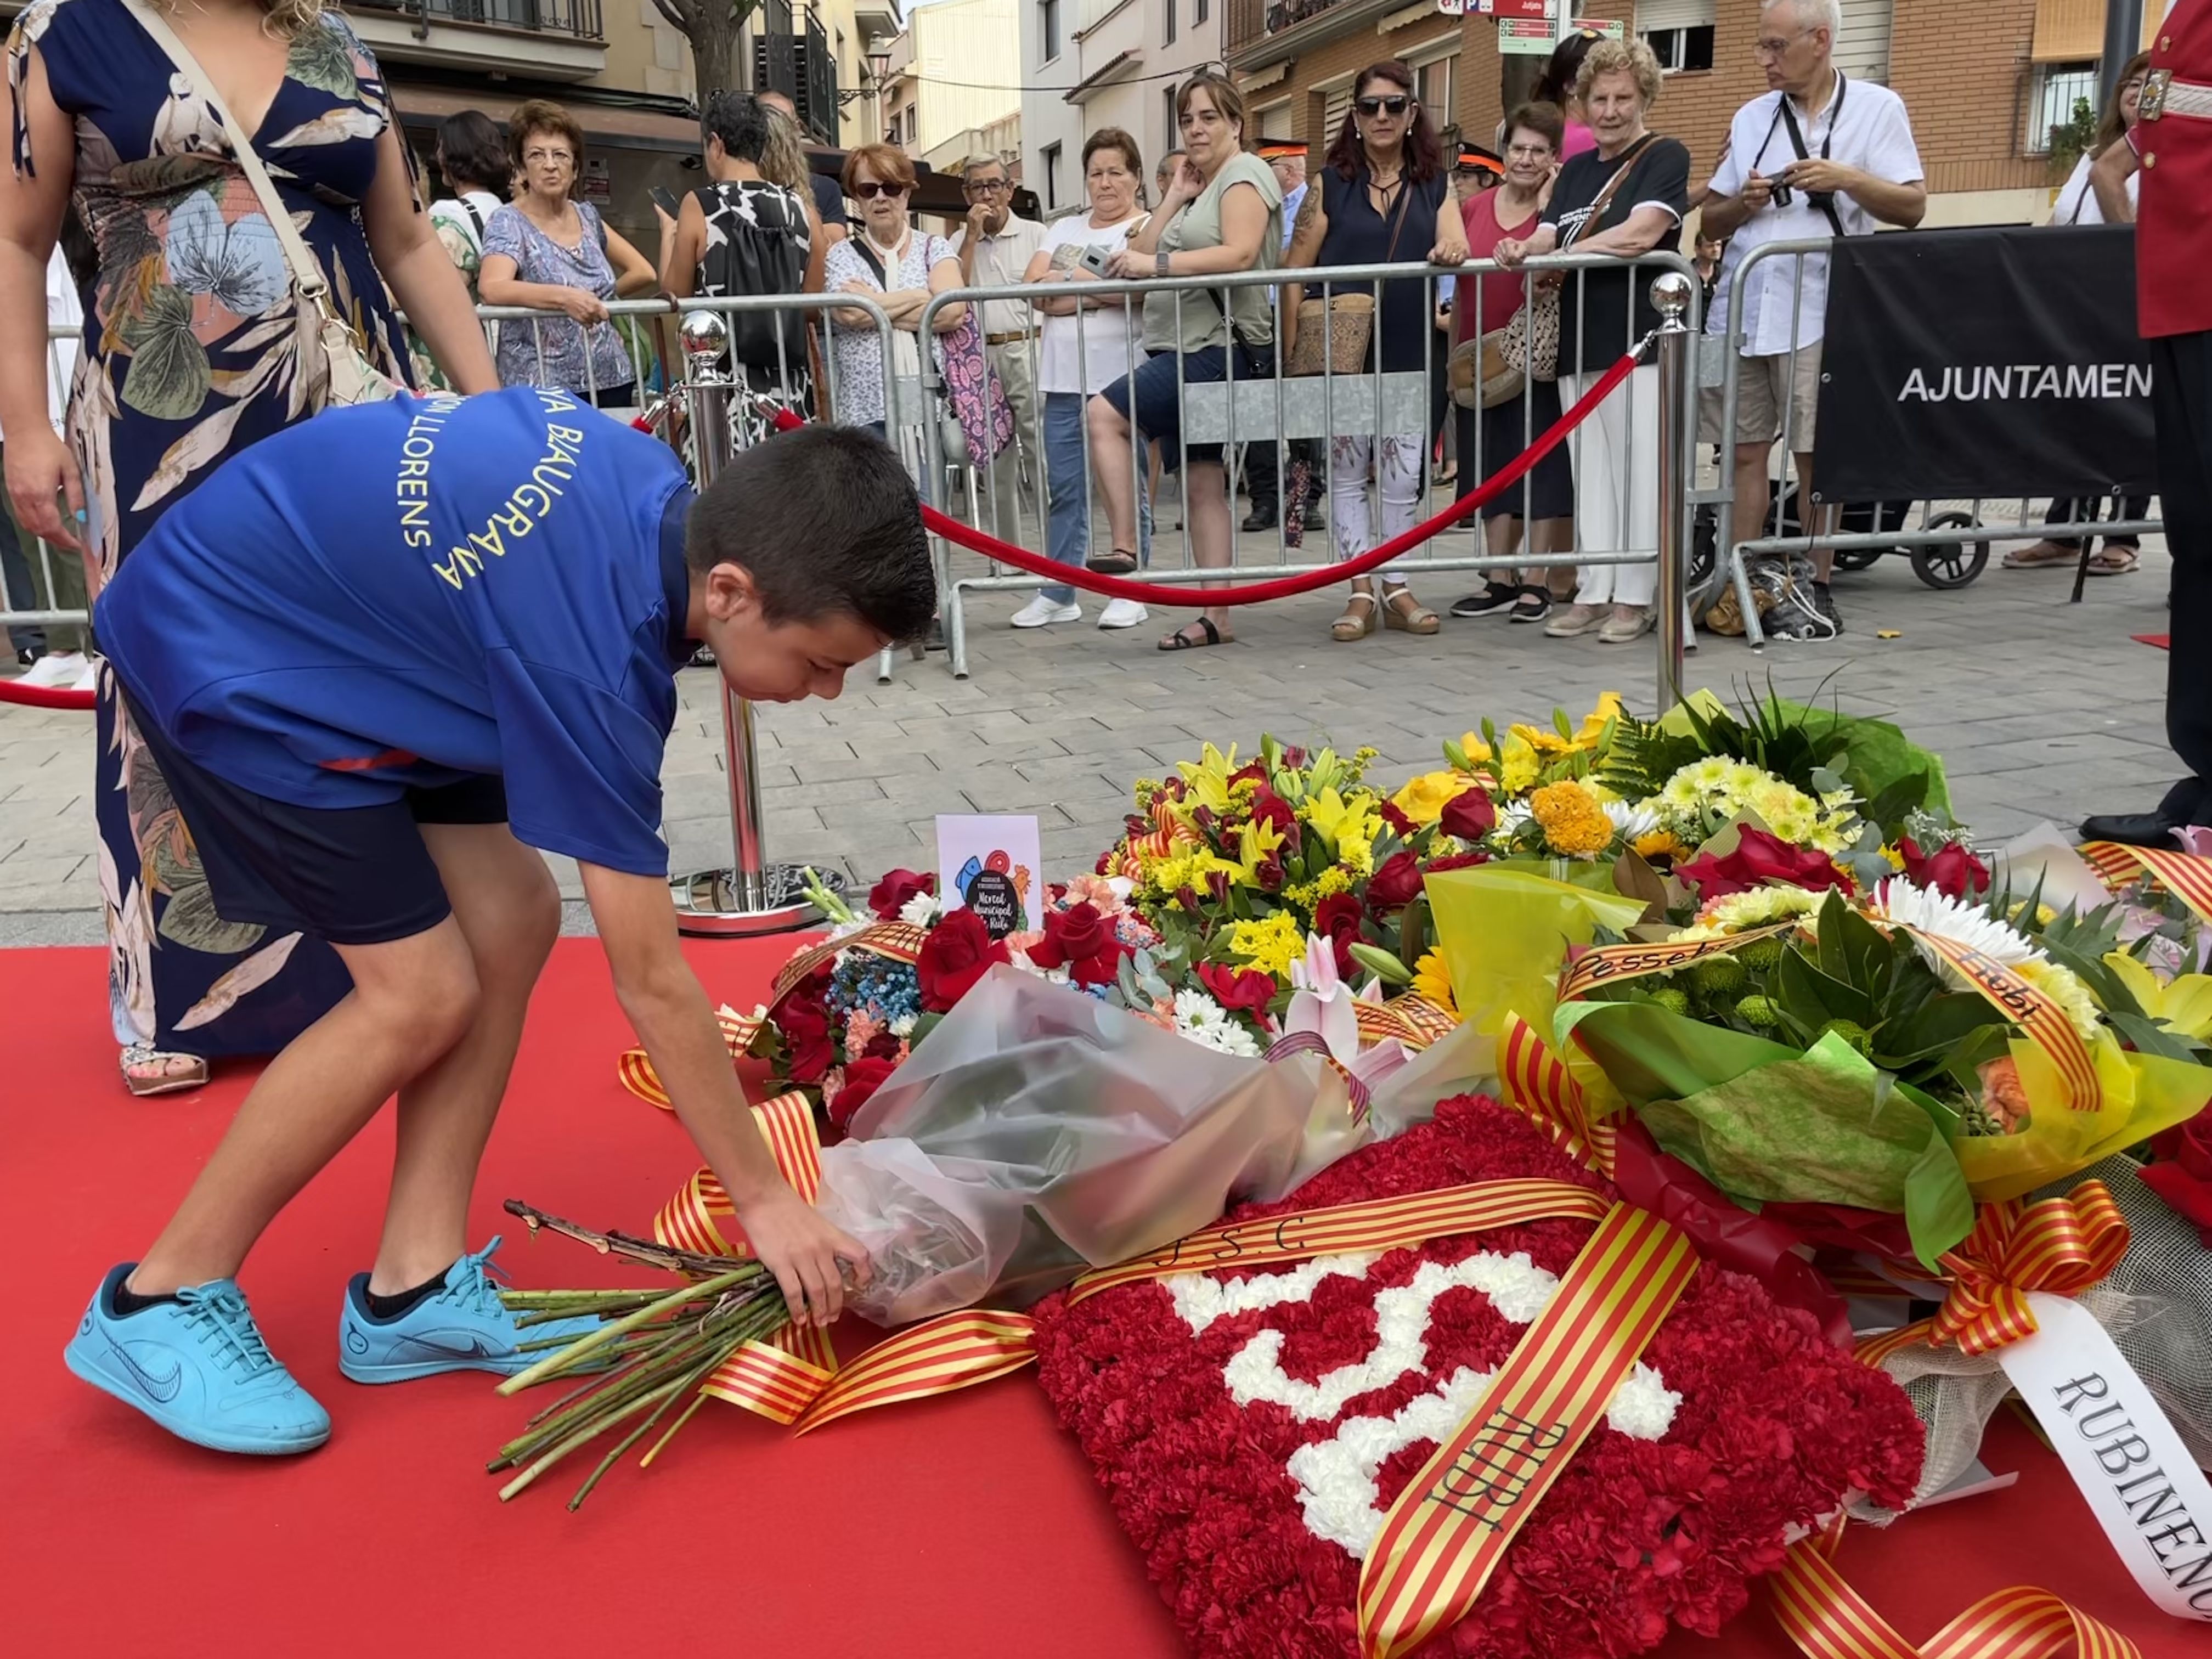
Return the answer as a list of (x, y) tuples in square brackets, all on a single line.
[(1253, 1428)]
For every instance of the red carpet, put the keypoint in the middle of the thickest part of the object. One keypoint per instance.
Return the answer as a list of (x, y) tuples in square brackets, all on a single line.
[(965, 1527)]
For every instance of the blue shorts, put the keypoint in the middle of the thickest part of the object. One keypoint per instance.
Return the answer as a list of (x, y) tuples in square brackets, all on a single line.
[(1159, 407), (351, 875)]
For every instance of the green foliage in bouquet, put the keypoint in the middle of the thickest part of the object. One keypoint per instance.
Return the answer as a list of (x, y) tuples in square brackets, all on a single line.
[(1872, 989)]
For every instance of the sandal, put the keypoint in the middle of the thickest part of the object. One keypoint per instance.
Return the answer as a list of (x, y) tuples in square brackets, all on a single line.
[(149, 1071), (1182, 640), (2040, 556), (1412, 616), (1354, 623), (2113, 561), (1119, 562)]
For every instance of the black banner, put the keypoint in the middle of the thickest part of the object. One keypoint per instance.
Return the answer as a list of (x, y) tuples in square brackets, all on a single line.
[(1991, 361)]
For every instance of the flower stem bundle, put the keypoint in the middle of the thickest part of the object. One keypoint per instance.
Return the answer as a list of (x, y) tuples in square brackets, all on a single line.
[(652, 1351)]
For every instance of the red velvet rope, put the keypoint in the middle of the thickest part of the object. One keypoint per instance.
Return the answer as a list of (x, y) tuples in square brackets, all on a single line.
[(1282, 587), (45, 696)]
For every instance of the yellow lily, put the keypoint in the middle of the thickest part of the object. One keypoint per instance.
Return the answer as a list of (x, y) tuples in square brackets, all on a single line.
[(2186, 1005), (1207, 777)]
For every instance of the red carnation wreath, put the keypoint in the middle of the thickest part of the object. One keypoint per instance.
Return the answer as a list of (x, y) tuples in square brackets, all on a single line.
[(1253, 1428)]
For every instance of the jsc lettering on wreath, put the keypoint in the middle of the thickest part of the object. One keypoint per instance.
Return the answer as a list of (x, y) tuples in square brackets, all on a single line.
[(524, 505)]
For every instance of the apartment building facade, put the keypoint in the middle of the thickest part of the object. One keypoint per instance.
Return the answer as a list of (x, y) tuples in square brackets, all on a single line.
[(625, 73), (1984, 80), (1094, 63), (954, 83)]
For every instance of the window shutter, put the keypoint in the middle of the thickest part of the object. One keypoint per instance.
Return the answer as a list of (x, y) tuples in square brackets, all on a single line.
[(1863, 49), (1653, 15), (1334, 108), (1275, 122)]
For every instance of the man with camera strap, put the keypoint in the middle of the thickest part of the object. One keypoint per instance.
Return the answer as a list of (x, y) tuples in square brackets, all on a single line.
[(1819, 155)]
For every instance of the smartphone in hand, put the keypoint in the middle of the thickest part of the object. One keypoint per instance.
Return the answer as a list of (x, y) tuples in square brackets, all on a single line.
[(665, 199), (1094, 260)]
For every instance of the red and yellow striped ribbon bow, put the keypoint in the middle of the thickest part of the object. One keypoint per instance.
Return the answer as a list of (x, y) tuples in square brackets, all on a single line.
[(2188, 878), (2061, 1245), (1538, 1086), (1829, 1620)]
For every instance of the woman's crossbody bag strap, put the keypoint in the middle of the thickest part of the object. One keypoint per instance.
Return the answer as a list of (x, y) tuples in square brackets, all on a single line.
[(1612, 188), (349, 363)]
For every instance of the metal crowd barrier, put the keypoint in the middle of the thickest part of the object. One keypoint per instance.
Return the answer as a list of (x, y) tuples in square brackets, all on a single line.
[(1304, 412), (1949, 525)]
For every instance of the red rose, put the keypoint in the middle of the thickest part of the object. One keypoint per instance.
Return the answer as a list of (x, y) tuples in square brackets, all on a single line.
[(805, 1024), (1397, 820), (862, 1079), (1470, 815), (2181, 1171), (1081, 940), (1455, 861), (959, 952), (1396, 885), (1268, 807), (889, 896), (1760, 858), (1337, 919), (1953, 869), (882, 1045), (1240, 990)]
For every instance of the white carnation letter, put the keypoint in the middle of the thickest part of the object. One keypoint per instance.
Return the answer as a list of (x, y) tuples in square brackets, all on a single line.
[(2141, 1483), (1336, 1476)]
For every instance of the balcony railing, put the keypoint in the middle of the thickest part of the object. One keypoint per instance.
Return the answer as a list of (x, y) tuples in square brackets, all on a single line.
[(1281, 14), (799, 65), (579, 19), (1251, 21)]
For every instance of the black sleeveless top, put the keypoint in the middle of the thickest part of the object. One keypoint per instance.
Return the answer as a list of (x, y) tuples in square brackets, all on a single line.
[(758, 239), (1358, 235)]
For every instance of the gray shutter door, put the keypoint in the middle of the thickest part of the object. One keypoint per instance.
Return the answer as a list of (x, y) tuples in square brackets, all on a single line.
[(1863, 49)]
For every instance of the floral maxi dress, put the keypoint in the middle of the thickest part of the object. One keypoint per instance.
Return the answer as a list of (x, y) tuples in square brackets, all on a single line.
[(194, 348)]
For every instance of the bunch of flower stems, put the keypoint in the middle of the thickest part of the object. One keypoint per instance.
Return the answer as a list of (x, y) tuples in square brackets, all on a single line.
[(652, 1351)]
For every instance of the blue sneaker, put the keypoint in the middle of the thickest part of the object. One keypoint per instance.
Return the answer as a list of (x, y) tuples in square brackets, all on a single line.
[(198, 1367), (462, 1328)]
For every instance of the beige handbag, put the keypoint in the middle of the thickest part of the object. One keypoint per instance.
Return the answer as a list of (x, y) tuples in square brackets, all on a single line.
[(349, 377), (1342, 323), (1496, 368)]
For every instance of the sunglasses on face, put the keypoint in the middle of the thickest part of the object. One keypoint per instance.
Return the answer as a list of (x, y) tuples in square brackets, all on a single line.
[(869, 190), (1394, 105)]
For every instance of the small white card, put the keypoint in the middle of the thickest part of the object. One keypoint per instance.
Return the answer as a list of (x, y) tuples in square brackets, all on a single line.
[(990, 865)]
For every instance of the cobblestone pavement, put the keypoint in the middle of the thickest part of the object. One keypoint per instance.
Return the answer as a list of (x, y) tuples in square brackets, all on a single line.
[(2042, 710)]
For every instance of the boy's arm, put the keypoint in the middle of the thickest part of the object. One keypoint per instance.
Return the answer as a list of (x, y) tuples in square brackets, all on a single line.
[(674, 1020)]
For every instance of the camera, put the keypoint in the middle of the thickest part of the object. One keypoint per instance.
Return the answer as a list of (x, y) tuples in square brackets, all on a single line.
[(1821, 201)]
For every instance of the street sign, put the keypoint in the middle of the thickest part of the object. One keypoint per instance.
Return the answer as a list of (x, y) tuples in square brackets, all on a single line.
[(1533, 38), (1526, 11)]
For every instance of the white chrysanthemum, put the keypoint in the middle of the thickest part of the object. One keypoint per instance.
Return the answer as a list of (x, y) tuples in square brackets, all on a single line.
[(1680, 793), (1510, 816), (1194, 1010), (846, 929), (1228, 1037), (1631, 822), (919, 911), (902, 1027), (1711, 773), (1939, 914)]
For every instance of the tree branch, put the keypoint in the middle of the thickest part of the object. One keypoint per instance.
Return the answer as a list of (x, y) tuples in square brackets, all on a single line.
[(680, 17)]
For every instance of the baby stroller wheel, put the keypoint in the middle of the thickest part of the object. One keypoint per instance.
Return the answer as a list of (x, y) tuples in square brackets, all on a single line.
[(1857, 558), (1956, 564)]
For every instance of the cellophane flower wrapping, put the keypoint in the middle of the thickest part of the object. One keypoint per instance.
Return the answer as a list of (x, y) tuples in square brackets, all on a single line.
[(1251, 1429), (1037, 1132), (2156, 1306)]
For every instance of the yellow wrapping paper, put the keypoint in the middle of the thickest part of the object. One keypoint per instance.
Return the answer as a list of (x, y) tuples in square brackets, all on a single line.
[(2141, 1095), (1504, 930)]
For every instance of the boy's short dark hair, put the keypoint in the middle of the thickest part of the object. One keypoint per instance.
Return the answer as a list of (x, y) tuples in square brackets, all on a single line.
[(827, 522)]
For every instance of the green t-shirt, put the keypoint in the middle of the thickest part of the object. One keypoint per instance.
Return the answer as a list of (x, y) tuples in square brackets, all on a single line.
[(1199, 225)]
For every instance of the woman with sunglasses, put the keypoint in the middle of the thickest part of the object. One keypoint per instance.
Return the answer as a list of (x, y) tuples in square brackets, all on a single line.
[(897, 266), (1383, 199)]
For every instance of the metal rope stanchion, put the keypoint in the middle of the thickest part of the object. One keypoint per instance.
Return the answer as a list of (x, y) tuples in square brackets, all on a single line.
[(1670, 293), (754, 896)]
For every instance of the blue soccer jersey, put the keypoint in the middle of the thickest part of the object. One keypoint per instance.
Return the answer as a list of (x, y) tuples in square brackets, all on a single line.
[(409, 593)]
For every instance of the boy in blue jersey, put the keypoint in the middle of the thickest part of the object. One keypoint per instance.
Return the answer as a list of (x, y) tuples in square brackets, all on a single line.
[(378, 659)]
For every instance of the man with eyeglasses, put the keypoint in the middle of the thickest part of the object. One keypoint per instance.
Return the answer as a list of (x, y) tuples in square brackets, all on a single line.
[(995, 248), (1818, 155)]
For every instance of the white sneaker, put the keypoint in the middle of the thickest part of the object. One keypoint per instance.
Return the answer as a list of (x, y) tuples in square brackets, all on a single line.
[(1041, 612), (89, 680), (1123, 613), (58, 670)]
